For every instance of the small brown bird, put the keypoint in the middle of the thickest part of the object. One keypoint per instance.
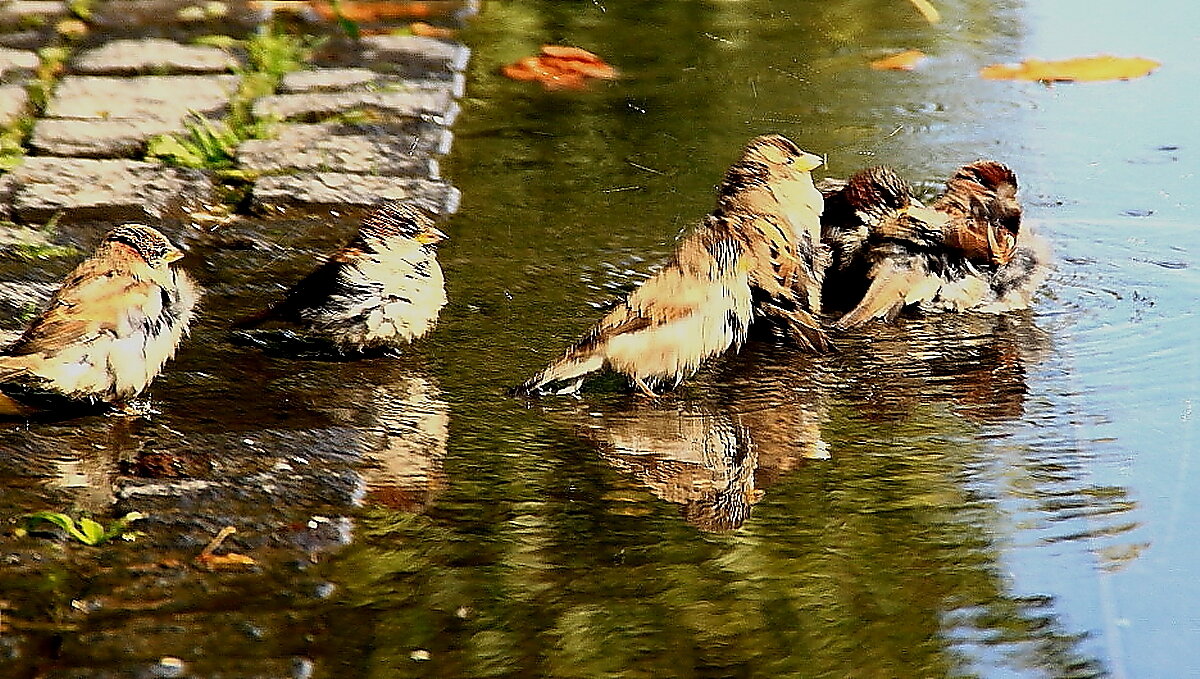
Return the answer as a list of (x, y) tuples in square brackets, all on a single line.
[(967, 251), (108, 330), (381, 291), (767, 200), (696, 307)]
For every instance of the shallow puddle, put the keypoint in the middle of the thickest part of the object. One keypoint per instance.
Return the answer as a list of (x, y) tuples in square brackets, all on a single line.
[(954, 496)]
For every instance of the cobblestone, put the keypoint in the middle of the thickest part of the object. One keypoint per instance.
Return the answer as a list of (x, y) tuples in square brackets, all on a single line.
[(110, 190), (158, 97), (16, 64), (13, 102), (345, 148), (153, 55), (341, 188), (437, 106)]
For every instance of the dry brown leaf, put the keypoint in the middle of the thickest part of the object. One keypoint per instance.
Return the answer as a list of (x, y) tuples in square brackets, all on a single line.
[(900, 61), (1102, 67), (225, 562)]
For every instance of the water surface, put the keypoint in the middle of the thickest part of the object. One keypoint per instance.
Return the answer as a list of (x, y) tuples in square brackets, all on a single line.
[(965, 496)]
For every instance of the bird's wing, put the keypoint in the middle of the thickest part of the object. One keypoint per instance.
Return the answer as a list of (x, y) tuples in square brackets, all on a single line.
[(311, 291), (782, 281), (895, 281), (93, 300)]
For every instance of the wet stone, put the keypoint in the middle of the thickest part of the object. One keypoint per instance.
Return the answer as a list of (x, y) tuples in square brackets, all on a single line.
[(153, 55), (161, 97), (8, 187), (417, 56), (13, 102), (23, 12), (338, 147), (84, 189), (97, 138), (26, 40), (16, 64), (336, 79), (334, 188), (202, 16), (434, 105), (325, 79)]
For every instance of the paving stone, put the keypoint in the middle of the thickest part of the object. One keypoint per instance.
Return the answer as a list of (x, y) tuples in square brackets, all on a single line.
[(111, 190), (16, 64), (318, 79), (22, 12), (336, 188), (435, 105), (161, 97), (13, 102), (28, 40), (332, 79), (142, 17), (344, 148), (8, 187), (417, 56), (98, 138), (153, 55)]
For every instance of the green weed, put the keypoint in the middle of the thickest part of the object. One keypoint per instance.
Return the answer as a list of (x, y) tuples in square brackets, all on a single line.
[(86, 530)]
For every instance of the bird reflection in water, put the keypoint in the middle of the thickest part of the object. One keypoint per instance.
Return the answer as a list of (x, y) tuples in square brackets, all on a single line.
[(761, 416), (403, 461)]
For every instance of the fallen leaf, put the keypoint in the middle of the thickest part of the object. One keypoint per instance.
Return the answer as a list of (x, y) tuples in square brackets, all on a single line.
[(375, 10), (225, 562), (1102, 67), (900, 61), (559, 67), (927, 10), (430, 31)]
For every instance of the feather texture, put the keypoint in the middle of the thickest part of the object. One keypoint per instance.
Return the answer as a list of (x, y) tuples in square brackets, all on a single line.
[(111, 326), (384, 289)]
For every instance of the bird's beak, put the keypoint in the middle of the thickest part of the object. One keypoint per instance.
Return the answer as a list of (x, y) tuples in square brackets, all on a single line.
[(807, 162), (430, 236), (173, 255)]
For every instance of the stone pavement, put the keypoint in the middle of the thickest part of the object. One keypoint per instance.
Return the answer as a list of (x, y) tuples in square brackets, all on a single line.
[(364, 124)]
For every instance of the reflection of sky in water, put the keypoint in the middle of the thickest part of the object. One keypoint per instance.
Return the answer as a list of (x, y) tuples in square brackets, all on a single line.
[(1121, 388)]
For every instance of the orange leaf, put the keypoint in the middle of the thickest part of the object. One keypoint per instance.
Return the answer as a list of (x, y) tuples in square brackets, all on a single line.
[(571, 53), (430, 31), (1101, 67), (374, 10), (560, 67), (900, 61)]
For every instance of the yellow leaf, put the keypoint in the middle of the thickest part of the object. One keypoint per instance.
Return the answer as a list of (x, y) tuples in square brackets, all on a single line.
[(927, 10), (1102, 67), (900, 61)]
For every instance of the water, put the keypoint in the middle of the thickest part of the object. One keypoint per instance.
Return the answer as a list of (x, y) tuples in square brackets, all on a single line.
[(974, 495)]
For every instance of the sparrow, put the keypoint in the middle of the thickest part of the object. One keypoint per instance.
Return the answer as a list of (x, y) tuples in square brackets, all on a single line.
[(767, 200), (107, 331), (965, 251), (382, 290), (694, 308)]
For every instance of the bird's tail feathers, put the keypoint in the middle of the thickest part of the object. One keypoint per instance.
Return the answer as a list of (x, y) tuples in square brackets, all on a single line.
[(885, 298), (569, 368)]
